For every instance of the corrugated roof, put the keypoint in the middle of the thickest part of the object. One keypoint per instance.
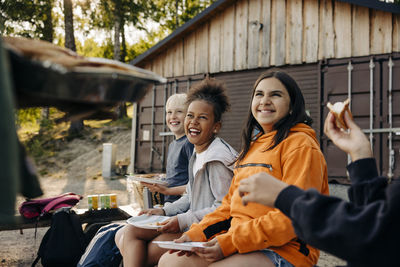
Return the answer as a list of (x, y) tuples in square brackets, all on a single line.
[(219, 5)]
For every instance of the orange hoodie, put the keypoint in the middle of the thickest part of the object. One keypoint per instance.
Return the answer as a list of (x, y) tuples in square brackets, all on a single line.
[(297, 160)]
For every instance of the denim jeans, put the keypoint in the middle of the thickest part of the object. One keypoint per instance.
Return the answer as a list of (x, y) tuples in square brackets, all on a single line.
[(276, 259)]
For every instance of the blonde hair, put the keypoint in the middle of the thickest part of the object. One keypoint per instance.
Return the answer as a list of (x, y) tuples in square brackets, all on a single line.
[(179, 99)]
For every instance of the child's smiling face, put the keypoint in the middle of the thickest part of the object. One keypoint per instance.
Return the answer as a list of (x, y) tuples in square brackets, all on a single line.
[(200, 126), (175, 117), (270, 103)]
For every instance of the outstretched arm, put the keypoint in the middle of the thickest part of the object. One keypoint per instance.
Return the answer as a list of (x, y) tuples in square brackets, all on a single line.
[(177, 190)]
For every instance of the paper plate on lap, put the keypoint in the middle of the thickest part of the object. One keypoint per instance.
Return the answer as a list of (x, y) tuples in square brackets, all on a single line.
[(147, 221), (179, 246)]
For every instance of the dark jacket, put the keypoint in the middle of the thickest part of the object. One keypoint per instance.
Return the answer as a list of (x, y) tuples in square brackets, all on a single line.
[(364, 232)]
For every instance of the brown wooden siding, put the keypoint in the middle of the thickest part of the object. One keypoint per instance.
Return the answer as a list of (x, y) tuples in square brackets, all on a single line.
[(250, 34)]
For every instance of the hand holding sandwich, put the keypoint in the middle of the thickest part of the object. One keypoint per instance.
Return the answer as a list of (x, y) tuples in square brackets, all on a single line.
[(353, 141)]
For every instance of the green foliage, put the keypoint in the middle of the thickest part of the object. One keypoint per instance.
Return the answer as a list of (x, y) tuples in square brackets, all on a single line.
[(125, 122), (27, 115), (28, 18), (142, 45), (171, 13), (90, 48)]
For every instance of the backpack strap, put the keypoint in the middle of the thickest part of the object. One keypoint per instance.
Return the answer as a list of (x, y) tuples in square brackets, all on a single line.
[(35, 261), (63, 201)]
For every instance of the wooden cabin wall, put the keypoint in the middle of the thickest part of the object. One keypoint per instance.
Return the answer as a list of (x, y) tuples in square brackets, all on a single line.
[(253, 34)]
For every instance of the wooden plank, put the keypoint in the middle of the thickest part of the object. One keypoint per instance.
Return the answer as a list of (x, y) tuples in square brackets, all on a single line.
[(189, 52), (360, 31), (241, 35), (227, 40), (215, 43), (254, 32), (294, 29), (310, 30), (147, 66), (381, 32), (178, 59), (158, 65), (342, 24), (265, 42), (278, 27), (201, 57), (168, 61), (396, 33), (326, 47)]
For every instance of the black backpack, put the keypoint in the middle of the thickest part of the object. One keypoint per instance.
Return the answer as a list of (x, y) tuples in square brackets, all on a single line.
[(64, 242)]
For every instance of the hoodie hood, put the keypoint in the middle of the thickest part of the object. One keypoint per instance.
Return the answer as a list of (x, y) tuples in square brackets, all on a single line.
[(304, 128), (299, 128), (219, 150)]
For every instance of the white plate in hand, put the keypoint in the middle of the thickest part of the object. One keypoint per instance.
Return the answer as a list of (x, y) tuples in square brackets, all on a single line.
[(148, 180), (179, 246), (147, 221)]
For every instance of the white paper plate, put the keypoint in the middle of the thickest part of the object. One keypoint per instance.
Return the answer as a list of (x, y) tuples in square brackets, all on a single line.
[(147, 221), (179, 246), (148, 180)]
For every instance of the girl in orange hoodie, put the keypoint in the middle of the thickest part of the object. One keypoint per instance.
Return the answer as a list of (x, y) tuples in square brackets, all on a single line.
[(276, 139)]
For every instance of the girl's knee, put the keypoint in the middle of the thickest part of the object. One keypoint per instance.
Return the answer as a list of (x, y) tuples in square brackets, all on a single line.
[(119, 238), (168, 259)]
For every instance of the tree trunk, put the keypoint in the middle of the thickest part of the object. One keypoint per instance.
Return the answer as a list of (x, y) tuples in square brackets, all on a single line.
[(76, 126), (176, 14), (118, 31), (69, 25), (48, 31), (117, 34), (123, 52)]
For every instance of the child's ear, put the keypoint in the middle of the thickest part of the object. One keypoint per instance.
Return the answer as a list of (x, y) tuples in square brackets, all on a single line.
[(217, 127)]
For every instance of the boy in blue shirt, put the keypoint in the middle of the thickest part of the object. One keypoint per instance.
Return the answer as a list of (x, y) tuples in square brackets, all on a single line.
[(179, 151)]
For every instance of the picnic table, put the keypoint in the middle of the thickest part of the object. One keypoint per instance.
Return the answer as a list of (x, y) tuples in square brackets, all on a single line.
[(86, 216)]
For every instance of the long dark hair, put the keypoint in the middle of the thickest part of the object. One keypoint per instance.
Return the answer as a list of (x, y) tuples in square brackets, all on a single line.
[(296, 115)]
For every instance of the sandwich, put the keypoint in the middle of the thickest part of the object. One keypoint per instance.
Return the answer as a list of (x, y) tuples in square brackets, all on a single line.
[(338, 109)]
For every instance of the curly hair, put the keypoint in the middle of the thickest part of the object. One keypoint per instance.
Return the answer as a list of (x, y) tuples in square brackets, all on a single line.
[(213, 92)]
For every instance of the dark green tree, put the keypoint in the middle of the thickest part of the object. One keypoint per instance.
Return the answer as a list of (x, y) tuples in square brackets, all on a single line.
[(172, 14), (35, 14)]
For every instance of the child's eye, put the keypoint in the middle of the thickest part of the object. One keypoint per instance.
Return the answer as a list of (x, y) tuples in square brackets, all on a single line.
[(258, 94), (189, 115), (275, 94)]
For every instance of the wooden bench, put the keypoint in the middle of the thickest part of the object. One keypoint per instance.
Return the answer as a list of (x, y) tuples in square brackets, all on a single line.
[(86, 216)]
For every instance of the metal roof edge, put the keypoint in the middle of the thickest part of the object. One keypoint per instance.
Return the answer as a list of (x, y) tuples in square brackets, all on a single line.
[(181, 30), (376, 4)]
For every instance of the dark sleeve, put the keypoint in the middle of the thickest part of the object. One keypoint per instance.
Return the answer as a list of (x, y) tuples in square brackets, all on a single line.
[(366, 185), (345, 229), (188, 149)]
